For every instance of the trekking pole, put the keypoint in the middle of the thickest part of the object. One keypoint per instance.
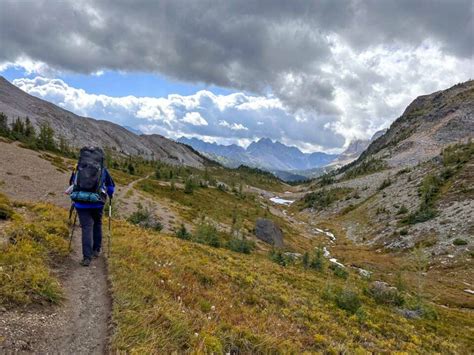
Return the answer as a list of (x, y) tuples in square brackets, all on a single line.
[(72, 227), (110, 222)]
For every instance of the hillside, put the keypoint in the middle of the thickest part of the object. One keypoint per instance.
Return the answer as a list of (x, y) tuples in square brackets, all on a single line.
[(411, 189), (192, 291), (81, 131)]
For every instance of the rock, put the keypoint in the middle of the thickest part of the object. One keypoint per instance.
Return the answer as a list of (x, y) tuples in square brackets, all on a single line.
[(267, 231), (293, 255), (410, 314)]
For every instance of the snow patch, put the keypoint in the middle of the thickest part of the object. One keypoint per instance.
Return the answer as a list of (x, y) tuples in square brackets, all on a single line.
[(281, 201)]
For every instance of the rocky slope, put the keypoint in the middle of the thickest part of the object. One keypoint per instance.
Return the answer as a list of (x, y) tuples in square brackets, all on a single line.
[(413, 185), (80, 131), (354, 150)]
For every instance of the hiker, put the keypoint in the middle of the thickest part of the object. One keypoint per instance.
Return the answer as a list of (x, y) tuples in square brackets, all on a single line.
[(90, 184)]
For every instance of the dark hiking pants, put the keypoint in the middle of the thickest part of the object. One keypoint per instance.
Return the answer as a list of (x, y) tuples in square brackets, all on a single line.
[(91, 224)]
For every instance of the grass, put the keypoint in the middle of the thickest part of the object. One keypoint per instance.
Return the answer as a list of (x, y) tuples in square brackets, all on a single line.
[(215, 204), (36, 241), (179, 296)]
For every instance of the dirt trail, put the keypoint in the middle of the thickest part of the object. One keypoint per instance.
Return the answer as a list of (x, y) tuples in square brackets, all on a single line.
[(80, 325), (127, 199)]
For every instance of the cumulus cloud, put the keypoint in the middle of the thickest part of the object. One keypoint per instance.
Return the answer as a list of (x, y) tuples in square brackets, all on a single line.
[(319, 72), (233, 126), (234, 118), (195, 119)]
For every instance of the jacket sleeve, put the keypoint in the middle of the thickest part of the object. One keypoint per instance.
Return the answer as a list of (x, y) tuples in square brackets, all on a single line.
[(71, 179), (109, 184)]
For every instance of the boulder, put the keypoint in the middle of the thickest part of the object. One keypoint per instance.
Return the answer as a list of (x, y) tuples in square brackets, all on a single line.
[(269, 232)]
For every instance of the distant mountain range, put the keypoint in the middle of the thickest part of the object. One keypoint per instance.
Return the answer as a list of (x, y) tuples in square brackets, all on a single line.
[(264, 153)]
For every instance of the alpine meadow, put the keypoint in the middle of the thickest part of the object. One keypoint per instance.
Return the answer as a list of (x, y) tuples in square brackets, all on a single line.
[(237, 177)]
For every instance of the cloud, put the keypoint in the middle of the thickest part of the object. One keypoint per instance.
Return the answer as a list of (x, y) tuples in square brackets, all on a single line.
[(277, 45), (233, 126), (195, 119), (235, 118), (315, 74)]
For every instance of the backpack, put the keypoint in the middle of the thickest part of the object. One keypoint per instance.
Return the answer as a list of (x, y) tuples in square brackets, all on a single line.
[(88, 185)]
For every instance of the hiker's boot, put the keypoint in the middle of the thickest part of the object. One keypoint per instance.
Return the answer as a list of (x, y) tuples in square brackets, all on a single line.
[(96, 253), (86, 262)]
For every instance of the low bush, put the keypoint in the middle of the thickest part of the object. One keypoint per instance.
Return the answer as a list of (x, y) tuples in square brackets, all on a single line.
[(182, 233), (324, 198), (339, 271), (241, 245), (366, 167), (386, 183), (384, 294), (145, 219), (459, 241), (206, 233), (348, 300)]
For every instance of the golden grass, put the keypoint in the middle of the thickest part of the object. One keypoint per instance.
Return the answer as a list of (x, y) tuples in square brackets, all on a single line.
[(37, 239), (172, 295)]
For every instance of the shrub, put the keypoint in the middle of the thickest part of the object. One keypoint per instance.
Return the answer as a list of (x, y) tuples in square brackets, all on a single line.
[(206, 233), (459, 241), (386, 183), (6, 212), (183, 233), (324, 198), (339, 271), (145, 219), (278, 257), (403, 209), (189, 186), (318, 261), (404, 232), (384, 294), (241, 245), (348, 300), (366, 167)]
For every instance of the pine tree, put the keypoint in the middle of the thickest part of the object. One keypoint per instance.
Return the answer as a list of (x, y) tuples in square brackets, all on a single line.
[(188, 186), (4, 129), (18, 129), (29, 129), (46, 138)]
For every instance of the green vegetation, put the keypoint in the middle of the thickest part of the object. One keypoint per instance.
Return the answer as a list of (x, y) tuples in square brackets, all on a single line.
[(35, 242), (145, 219), (459, 241), (385, 183), (366, 167), (324, 198), (454, 159), (6, 211), (21, 129)]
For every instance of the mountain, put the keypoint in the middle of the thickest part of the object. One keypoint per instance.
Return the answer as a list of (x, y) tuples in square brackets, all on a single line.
[(354, 150), (413, 185), (266, 154), (426, 126), (80, 131), (133, 130)]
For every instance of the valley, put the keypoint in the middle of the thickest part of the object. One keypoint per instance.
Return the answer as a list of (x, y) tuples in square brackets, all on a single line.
[(376, 256)]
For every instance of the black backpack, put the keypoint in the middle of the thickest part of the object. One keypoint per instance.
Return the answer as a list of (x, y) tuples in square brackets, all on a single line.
[(89, 177)]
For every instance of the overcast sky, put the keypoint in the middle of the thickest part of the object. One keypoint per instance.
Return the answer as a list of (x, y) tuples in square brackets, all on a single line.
[(315, 74)]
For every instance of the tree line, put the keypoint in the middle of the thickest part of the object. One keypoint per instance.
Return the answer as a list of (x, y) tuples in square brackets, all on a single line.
[(22, 130)]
